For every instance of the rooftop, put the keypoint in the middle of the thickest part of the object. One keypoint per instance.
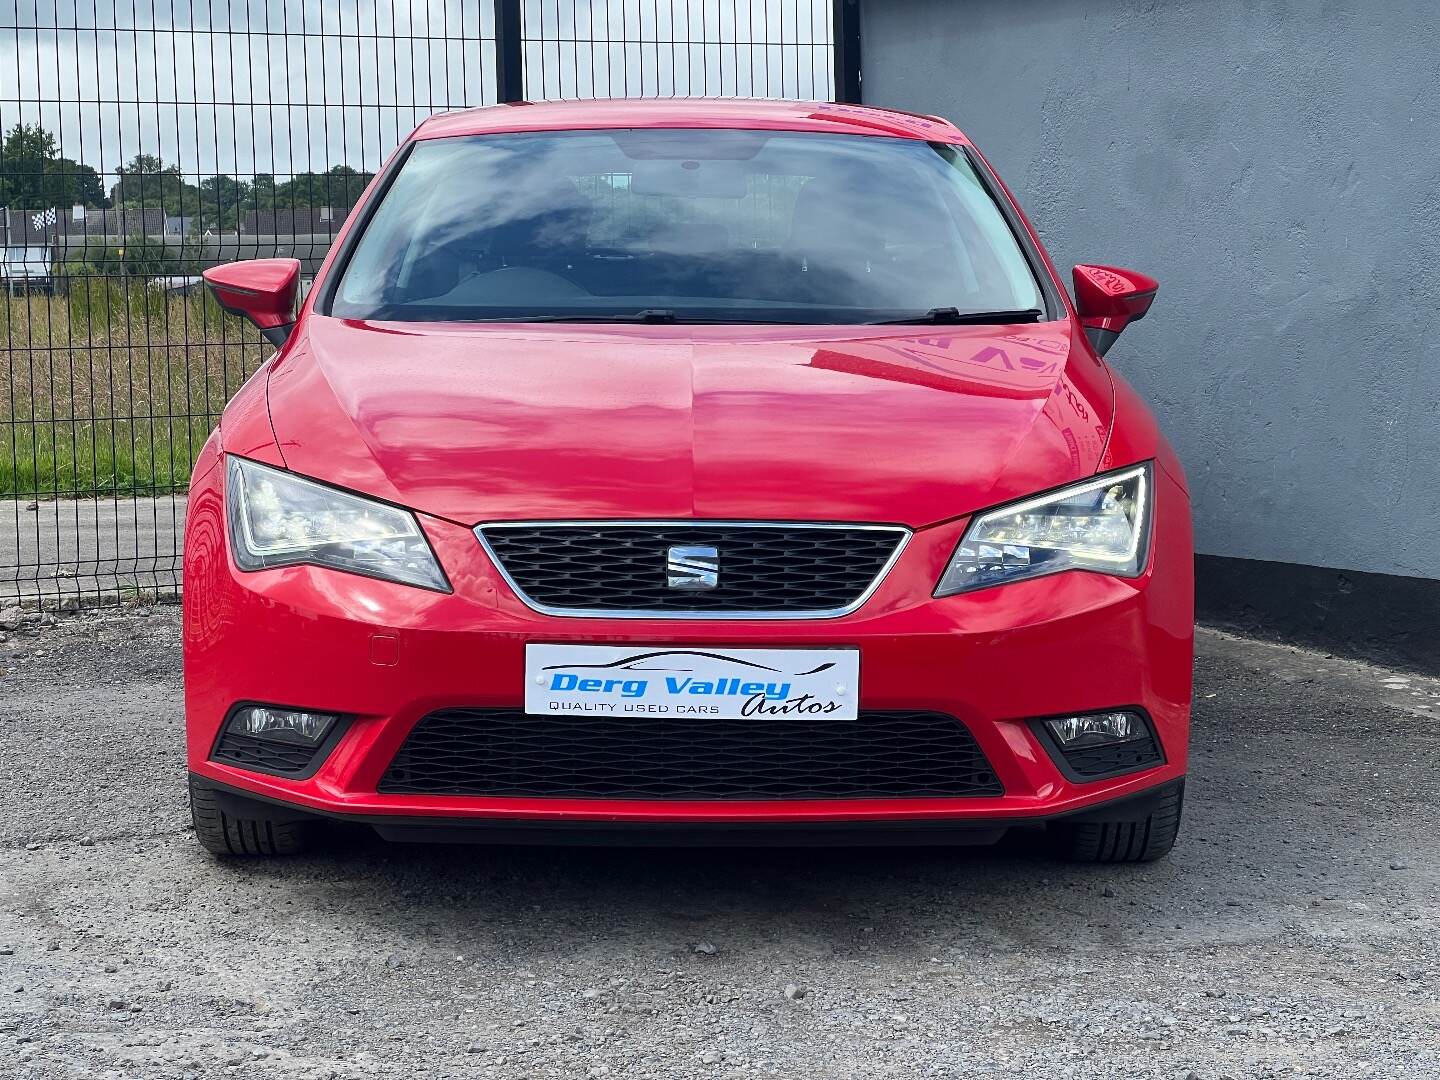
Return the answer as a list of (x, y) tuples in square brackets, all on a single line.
[(751, 113)]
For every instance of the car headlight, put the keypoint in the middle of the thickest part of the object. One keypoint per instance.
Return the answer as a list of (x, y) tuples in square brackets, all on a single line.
[(279, 519), (1099, 524)]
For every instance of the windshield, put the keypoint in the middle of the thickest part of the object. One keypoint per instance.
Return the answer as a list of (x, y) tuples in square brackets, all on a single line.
[(705, 226)]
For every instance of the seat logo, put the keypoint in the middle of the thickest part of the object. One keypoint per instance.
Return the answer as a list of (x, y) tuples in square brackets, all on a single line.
[(693, 567)]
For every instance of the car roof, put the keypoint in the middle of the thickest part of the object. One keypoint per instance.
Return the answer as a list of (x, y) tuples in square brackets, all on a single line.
[(737, 113)]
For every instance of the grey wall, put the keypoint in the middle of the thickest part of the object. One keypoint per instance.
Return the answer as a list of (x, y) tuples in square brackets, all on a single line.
[(1277, 166)]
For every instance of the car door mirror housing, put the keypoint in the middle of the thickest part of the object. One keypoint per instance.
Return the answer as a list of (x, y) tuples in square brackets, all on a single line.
[(1109, 299), (261, 290)]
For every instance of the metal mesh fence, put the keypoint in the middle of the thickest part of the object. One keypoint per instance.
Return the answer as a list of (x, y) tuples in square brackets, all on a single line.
[(749, 48), (142, 141)]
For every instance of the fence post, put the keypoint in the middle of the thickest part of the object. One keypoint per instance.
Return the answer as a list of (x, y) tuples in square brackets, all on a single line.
[(846, 18), (509, 52)]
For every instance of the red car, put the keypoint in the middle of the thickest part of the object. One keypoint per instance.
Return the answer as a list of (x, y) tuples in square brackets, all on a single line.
[(688, 472)]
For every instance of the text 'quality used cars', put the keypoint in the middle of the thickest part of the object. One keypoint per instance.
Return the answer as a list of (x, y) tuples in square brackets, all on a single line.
[(692, 472)]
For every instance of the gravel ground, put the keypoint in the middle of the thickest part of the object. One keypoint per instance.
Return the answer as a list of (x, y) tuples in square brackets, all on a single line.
[(1292, 933)]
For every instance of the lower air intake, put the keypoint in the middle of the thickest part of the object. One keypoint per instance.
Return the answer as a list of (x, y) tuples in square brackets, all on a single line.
[(1097, 762), (262, 755), (505, 752)]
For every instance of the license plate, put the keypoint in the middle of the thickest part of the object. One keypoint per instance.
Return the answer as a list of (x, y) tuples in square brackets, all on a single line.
[(721, 684)]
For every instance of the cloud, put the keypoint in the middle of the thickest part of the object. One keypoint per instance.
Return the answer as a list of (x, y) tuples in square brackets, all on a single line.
[(284, 86)]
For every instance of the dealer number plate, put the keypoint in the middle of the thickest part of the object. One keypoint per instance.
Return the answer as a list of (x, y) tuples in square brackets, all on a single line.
[(716, 683)]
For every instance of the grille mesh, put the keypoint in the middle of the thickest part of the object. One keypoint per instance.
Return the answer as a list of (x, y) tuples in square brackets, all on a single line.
[(1095, 761), (763, 568), (505, 752), (263, 755)]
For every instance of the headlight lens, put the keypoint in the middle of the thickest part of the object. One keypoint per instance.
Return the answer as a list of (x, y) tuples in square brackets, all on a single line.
[(279, 519), (1099, 524)]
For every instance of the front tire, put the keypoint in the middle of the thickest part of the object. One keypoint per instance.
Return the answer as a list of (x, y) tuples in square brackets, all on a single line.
[(222, 833), (1140, 839)]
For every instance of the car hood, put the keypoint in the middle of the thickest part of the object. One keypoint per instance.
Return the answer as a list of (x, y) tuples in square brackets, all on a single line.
[(516, 422)]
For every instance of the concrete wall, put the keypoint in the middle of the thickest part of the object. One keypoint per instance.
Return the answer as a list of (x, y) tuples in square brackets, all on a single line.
[(1276, 164)]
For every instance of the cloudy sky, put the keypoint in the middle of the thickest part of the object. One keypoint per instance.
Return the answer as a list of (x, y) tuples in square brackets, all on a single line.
[(282, 86)]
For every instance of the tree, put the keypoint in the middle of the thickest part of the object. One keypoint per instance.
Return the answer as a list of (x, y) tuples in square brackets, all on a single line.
[(221, 200), (262, 192), (340, 188), (72, 183), (25, 153), (34, 176), (147, 182)]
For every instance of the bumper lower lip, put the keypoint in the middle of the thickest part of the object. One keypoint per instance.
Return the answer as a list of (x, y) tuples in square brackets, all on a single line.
[(669, 833)]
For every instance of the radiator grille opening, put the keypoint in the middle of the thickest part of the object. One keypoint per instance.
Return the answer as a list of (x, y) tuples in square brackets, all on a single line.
[(778, 569)]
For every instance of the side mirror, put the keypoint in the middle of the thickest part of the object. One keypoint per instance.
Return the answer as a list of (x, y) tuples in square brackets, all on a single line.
[(262, 290), (1110, 299)]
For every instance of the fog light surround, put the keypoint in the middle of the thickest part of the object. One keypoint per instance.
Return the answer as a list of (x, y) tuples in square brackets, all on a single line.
[(296, 727), (1097, 746)]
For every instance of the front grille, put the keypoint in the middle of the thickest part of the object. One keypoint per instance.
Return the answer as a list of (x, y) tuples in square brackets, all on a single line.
[(775, 569), (506, 752), (263, 755)]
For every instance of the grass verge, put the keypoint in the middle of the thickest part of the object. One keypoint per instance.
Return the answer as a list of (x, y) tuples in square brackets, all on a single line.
[(112, 388)]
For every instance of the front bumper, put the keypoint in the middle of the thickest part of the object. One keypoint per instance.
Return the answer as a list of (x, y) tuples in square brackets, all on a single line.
[(387, 655)]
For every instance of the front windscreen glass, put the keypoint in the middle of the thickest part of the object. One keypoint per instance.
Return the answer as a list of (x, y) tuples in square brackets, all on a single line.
[(684, 225)]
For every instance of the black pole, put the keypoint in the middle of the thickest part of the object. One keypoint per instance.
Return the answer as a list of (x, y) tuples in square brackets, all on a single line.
[(847, 50), (509, 52)]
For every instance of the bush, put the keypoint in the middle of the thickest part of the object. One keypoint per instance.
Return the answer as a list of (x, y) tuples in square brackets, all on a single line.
[(147, 258)]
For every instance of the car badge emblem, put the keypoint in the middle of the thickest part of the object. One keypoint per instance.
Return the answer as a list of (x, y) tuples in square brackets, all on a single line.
[(693, 567)]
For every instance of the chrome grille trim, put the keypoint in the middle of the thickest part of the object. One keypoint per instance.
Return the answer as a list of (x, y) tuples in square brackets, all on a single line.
[(900, 531)]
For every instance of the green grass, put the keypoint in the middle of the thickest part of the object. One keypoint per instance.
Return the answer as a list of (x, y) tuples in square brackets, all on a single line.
[(112, 389)]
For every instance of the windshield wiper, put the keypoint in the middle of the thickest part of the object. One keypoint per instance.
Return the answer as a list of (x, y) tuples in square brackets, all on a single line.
[(648, 315), (954, 316)]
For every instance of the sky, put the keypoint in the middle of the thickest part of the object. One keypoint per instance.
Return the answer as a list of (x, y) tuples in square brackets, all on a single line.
[(285, 86)]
